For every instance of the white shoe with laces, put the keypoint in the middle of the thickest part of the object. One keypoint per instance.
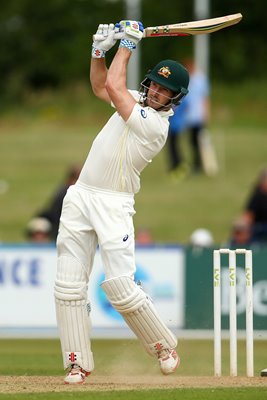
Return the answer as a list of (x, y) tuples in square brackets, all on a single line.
[(76, 375), (168, 361)]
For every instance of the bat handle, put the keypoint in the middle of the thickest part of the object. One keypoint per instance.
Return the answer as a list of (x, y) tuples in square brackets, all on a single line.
[(117, 36)]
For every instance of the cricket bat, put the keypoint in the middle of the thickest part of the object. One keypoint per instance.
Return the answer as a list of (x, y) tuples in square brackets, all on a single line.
[(186, 28), (207, 153)]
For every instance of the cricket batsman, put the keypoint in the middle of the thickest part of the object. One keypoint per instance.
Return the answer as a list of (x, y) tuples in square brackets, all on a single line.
[(98, 209)]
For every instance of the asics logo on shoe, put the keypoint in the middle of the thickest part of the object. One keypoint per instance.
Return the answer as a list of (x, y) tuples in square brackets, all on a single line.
[(125, 238)]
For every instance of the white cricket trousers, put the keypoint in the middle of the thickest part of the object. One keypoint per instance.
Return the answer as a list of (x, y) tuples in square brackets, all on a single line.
[(92, 216)]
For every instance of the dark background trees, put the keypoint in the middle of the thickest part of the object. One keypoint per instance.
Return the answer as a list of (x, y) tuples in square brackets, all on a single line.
[(48, 43)]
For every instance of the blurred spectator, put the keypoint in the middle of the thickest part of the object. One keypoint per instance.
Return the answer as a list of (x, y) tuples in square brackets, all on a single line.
[(53, 211), (39, 230), (201, 238), (255, 212), (241, 234), (198, 109), (177, 166), (143, 237)]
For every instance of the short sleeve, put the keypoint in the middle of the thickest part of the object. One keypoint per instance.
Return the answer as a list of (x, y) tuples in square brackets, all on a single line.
[(147, 124)]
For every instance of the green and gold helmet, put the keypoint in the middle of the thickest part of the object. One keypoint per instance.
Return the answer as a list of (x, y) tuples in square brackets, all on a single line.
[(171, 75)]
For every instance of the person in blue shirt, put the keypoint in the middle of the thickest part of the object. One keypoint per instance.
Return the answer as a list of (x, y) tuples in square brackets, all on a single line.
[(177, 166), (198, 110)]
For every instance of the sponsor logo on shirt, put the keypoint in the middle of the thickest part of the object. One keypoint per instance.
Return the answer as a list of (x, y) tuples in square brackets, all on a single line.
[(125, 238), (143, 113)]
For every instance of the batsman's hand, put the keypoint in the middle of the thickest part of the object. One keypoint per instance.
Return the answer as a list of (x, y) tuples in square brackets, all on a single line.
[(132, 33), (106, 32)]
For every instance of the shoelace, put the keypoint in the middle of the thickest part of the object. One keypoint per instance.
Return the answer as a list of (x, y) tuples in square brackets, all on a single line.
[(76, 369), (163, 353)]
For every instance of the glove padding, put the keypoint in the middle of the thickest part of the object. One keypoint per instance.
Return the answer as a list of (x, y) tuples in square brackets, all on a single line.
[(132, 33), (100, 47)]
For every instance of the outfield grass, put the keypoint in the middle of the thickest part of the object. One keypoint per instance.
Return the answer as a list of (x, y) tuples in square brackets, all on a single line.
[(41, 138), (166, 394), (116, 357)]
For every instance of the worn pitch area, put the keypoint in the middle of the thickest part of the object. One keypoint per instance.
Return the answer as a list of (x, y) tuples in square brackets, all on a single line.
[(38, 384)]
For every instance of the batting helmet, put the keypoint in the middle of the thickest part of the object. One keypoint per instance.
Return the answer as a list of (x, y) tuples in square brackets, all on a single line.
[(171, 75)]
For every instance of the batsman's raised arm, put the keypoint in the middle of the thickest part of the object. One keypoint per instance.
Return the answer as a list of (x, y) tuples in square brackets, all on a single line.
[(116, 77), (98, 69)]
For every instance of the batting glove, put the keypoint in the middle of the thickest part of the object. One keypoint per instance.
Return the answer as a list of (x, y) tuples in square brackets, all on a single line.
[(132, 33), (107, 32)]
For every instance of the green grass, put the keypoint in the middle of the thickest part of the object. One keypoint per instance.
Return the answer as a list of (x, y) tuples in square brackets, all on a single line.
[(114, 357), (125, 357), (50, 131), (166, 394)]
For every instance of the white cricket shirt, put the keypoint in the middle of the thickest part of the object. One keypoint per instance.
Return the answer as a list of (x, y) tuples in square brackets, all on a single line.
[(122, 149)]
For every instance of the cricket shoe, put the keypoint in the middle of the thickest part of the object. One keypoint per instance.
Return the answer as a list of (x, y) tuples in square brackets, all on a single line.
[(168, 361), (76, 375)]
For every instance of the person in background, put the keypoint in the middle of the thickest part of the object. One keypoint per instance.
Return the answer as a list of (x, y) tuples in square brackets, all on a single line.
[(201, 238), (198, 110), (144, 237), (53, 211), (241, 234), (177, 166), (255, 212), (39, 230)]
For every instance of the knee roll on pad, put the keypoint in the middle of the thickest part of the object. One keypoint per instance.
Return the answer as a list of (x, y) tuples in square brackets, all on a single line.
[(71, 269), (139, 313), (71, 282), (73, 317)]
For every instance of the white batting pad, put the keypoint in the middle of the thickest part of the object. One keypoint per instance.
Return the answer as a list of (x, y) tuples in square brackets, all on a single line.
[(139, 313), (72, 313)]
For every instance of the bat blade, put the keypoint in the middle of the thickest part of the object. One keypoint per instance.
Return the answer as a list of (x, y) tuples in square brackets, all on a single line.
[(185, 28), (194, 27)]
